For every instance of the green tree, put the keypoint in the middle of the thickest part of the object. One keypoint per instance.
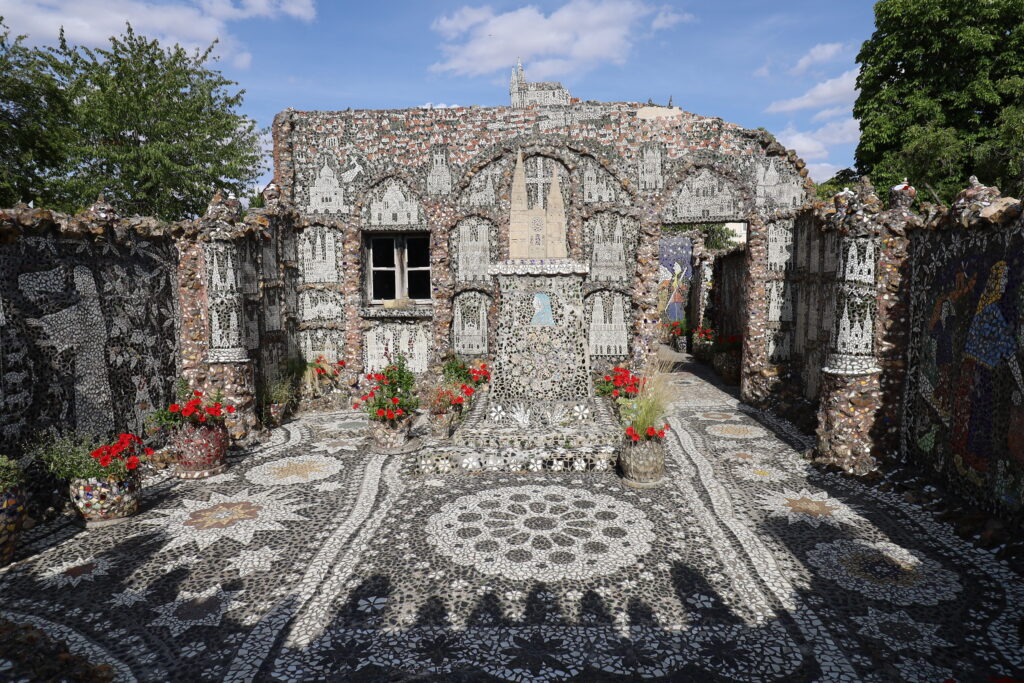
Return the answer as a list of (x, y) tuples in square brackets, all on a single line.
[(155, 129), (35, 123), (842, 179), (716, 235), (941, 91)]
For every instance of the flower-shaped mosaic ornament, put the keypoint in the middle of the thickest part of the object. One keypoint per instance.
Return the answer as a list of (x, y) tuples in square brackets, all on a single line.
[(884, 571), (541, 533), (298, 470), (736, 431)]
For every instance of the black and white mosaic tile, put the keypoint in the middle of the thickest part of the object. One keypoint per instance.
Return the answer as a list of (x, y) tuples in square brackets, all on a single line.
[(312, 559)]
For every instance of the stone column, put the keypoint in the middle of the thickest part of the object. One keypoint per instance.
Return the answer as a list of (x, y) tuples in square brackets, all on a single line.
[(850, 396)]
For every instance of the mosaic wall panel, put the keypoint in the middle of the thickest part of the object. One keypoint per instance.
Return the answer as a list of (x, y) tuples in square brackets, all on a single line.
[(469, 323), (815, 305), (598, 184), (329, 185), (706, 196), (471, 249), (325, 342), (383, 342), (607, 324), (439, 176), (963, 407), (230, 323), (542, 341), (319, 305), (484, 188), (318, 254), (675, 270), (610, 242), (393, 206), (779, 185), (87, 334)]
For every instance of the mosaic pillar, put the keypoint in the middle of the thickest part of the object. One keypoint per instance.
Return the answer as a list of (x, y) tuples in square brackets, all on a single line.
[(850, 395)]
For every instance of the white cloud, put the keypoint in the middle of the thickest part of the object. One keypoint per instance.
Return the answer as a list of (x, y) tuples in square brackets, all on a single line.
[(839, 90), (822, 171), (575, 37), (839, 132), (819, 54), (826, 114), (804, 142), (440, 105), (763, 71), (190, 23), (667, 18)]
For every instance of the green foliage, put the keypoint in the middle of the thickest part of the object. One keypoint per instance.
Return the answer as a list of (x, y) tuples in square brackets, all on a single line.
[(455, 371), (281, 389), (154, 129), (716, 235), (182, 389), (834, 185), (941, 94), (10, 474), (67, 456), (393, 389), (256, 200)]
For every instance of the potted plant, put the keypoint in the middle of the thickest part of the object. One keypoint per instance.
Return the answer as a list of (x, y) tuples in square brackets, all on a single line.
[(727, 356), (104, 481), (277, 396), (703, 340), (642, 456), (200, 440), (390, 400), (12, 507), (677, 335), (621, 386)]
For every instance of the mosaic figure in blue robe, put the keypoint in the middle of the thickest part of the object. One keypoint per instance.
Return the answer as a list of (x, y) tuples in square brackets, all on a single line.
[(542, 314), (990, 342)]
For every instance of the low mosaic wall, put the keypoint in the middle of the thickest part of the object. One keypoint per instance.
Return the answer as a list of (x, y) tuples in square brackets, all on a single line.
[(88, 304), (963, 401)]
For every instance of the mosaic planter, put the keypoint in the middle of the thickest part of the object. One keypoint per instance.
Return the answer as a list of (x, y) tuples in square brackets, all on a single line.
[(680, 342), (443, 426), (727, 365), (106, 501), (642, 462), (12, 516), (275, 413), (385, 438), (701, 350), (199, 451)]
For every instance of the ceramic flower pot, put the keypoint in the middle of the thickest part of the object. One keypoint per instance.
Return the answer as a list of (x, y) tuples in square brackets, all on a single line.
[(12, 516), (642, 462), (443, 425), (390, 436), (681, 343), (106, 501), (199, 451)]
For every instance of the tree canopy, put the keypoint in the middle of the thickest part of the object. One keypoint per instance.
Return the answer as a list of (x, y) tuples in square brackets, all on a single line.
[(942, 94), (153, 128)]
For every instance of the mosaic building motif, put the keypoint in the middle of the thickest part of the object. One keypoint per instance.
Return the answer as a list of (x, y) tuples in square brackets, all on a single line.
[(469, 324), (439, 177), (318, 254), (394, 207), (537, 221), (329, 192), (229, 331), (526, 94), (706, 196), (87, 333), (675, 270), (611, 237), (383, 342), (598, 184), (778, 186), (472, 250), (964, 401), (607, 324)]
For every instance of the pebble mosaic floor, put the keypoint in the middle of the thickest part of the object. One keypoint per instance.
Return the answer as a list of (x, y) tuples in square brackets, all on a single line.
[(310, 559)]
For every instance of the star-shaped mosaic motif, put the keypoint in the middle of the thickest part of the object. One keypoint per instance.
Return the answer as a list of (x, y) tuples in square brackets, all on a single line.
[(237, 516), (298, 468), (203, 608), (809, 507)]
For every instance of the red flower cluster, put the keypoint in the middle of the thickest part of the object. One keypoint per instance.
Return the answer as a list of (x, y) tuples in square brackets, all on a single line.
[(705, 333), (195, 411), (675, 328), (481, 374), (125, 450), (321, 367), (649, 433), (620, 383)]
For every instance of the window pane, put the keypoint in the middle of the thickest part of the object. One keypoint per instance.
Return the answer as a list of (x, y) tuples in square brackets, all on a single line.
[(383, 250), (383, 284), (419, 284), (417, 250)]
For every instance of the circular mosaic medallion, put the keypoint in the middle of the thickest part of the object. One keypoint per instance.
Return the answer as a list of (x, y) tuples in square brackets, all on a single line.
[(733, 431), (298, 470), (884, 571), (541, 533)]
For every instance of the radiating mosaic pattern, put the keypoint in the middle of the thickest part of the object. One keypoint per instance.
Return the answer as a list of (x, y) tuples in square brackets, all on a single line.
[(312, 559)]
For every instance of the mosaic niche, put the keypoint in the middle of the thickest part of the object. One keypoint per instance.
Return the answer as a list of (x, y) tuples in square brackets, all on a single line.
[(229, 332), (393, 206), (320, 305), (852, 347), (607, 328), (318, 254), (483, 190), (542, 352), (383, 342), (329, 190), (598, 184), (963, 410), (317, 342), (706, 196), (537, 218), (439, 175), (469, 323), (471, 248), (649, 170), (611, 241), (675, 270), (780, 244), (87, 334), (779, 186)]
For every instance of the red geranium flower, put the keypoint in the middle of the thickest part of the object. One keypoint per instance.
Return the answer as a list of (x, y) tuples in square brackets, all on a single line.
[(132, 462), (399, 412), (197, 393), (394, 400), (651, 431), (661, 433), (231, 409), (355, 406), (174, 408), (615, 392), (391, 414), (380, 412)]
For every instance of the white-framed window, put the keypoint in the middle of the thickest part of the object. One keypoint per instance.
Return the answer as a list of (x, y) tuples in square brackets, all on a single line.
[(398, 267)]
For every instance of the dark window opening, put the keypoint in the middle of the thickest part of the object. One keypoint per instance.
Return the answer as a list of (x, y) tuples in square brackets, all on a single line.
[(399, 267)]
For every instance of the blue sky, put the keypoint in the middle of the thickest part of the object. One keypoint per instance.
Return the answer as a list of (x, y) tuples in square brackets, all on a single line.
[(787, 66)]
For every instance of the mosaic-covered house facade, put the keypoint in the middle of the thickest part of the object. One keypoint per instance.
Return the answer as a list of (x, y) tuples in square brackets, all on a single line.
[(423, 206)]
